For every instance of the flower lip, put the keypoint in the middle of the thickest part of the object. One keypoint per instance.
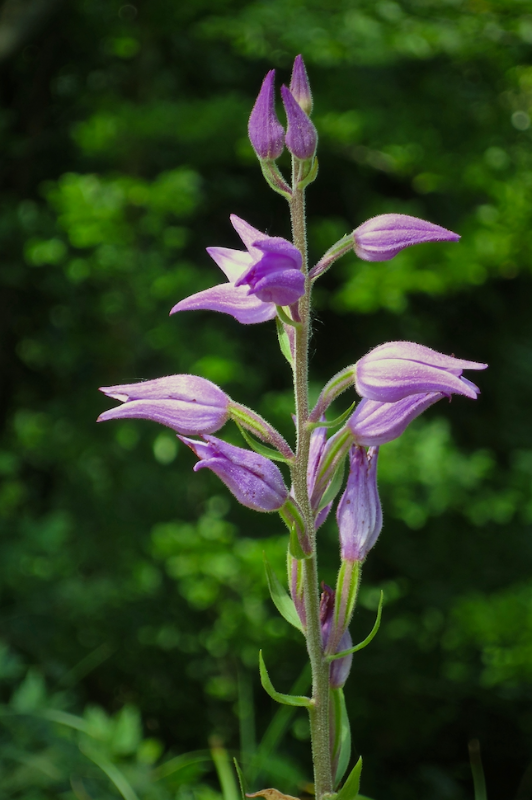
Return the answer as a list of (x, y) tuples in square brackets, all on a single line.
[(276, 276), (382, 237), (395, 370)]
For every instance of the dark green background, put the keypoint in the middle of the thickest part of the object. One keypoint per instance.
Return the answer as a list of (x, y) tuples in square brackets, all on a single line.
[(132, 590)]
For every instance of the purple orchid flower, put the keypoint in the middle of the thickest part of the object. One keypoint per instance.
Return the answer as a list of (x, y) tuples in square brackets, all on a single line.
[(186, 403), (255, 481), (265, 131), (381, 238), (318, 442), (395, 370), (301, 135), (373, 423), (340, 667), (300, 86), (270, 271), (359, 512)]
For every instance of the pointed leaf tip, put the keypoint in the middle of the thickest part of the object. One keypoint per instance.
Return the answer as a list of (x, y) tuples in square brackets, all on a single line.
[(284, 699)]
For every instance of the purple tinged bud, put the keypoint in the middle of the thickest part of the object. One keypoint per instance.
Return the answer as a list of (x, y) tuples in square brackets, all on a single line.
[(186, 403), (301, 135), (318, 442), (373, 423), (265, 131), (300, 86), (340, 667), (255, 481), (396, 370), (359, 512), (381, 238), (276, 277)]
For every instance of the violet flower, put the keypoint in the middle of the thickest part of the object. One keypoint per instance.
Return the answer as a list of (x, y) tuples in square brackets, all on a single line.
[(359, 512), (265, 131), (301, 135), (186, 403), (381, 238), (395, 370), (340, 667), (373, 423), (255, 481), (318, 442), (300, 86), (265, 268)]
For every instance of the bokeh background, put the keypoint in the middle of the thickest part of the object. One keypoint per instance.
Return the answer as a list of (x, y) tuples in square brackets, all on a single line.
[(133, 596)]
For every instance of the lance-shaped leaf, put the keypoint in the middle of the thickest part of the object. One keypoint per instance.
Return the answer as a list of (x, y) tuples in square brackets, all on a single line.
[(368, 638), (349, 790), (284, 699), (341, 745), (281, 599), (241, 779), (262, 449)]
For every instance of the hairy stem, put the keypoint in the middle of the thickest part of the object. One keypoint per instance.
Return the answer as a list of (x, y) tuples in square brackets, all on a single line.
[(319, 713)]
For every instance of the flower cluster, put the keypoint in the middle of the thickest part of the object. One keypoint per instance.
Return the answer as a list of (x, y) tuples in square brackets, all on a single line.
[(395, 381)]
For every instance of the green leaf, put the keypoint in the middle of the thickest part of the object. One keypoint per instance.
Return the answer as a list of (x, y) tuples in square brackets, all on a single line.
[(263, 449), (477, 770), (311, 175), (341, 751), (281, 599), (368, 638), (112, 772), (334, 423), (349, 790), (283, 316), (285, 699), (284, 341), (240, 779), (334, 486), (225, 773)]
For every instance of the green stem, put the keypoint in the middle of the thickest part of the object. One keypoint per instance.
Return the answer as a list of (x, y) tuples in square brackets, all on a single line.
[(319, 713)]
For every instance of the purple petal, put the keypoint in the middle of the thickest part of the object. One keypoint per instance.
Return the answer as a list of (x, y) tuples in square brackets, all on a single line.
[(229, 299), (281, 288), (411, 351), (287, 254), (181, 416), (374, 423), (359, 512), (381, 238), (248, 234), (232, 262)]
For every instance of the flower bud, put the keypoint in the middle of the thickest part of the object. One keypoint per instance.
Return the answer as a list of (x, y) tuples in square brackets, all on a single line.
[(186, 403), (381, 238), (340, 667), (395, 370), (254, 480), (300, 86), (301, 136), (359, 513), (265, 131)]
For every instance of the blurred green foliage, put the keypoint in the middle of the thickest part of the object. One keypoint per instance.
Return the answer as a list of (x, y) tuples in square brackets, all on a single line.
[(133, 593)]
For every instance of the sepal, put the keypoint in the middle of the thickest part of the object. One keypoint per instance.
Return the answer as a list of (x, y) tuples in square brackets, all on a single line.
[(349, 790), (281, 599), (279, 697)]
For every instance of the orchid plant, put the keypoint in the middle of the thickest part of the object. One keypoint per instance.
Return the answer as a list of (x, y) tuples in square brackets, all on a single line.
[(273, 279)]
